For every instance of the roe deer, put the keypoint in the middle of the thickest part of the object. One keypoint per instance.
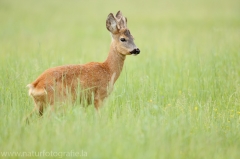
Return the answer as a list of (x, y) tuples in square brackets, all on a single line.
[(94, 77)]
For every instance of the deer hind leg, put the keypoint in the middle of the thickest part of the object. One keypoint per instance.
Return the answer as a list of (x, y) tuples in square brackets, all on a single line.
[(38, 108), (39, 105), (39, 98)]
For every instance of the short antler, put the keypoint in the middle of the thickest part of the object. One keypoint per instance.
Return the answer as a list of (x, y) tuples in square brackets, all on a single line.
[(121, 20)]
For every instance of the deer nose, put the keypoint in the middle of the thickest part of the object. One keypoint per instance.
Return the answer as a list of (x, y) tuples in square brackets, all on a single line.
[(135, 51)]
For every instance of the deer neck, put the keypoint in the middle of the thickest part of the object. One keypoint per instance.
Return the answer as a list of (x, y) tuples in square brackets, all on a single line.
[(114, 62)]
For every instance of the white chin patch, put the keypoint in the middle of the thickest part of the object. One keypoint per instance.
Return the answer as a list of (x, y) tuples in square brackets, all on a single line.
[(134, 54)]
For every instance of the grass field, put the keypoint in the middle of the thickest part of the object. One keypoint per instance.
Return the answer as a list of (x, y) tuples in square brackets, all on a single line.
[(180, 98)]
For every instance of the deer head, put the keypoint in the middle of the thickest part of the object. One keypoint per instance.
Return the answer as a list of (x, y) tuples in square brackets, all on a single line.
[(122, 39)]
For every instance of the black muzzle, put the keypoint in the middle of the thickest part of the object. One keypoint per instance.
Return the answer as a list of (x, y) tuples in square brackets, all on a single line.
[(135, 51)]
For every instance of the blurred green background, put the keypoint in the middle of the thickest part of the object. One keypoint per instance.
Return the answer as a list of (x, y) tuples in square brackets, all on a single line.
[(180, 98)]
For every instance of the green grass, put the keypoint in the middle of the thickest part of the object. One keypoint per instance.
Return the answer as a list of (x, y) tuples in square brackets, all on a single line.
[(180, 98)]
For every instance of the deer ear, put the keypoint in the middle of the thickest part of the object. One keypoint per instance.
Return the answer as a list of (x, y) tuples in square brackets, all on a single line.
[(111, 24)]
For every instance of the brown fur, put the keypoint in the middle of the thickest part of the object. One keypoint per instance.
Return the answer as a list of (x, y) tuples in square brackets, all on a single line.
[(93, 79)]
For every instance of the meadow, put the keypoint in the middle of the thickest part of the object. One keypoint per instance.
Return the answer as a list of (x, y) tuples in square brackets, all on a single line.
[(179, 98)]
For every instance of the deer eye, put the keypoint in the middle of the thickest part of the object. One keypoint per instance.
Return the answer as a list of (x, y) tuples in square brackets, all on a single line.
[(123, 40)]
